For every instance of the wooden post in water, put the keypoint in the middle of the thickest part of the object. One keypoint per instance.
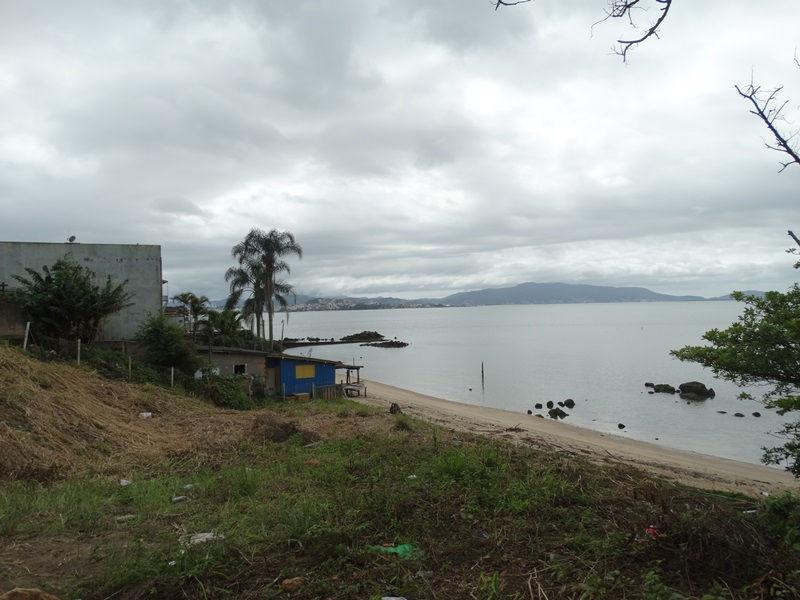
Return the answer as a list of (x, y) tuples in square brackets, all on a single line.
[(27, 332), (483, 381), (79, 350)]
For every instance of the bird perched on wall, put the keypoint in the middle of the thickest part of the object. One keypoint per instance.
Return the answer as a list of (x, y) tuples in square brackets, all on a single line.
[(71, 239)]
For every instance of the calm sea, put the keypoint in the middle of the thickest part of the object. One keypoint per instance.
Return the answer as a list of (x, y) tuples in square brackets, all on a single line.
[(600, 355)]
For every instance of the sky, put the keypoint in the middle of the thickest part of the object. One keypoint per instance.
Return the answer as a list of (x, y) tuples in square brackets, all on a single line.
[(415, 148)]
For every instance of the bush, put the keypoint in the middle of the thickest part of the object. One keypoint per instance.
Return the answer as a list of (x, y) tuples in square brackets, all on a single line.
[(114, 365), (225, 391), (165, 345)]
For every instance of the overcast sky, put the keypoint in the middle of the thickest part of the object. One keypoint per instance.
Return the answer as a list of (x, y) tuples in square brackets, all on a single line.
[(415, 147)]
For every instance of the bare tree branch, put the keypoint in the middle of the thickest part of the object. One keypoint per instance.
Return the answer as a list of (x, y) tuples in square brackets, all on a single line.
[(623, 8), (509, 3), (767, 107)]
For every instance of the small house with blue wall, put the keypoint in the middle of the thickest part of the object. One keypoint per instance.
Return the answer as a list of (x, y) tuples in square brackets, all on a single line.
[(301, 374)]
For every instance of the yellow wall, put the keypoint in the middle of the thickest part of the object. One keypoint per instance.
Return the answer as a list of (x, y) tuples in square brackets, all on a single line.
[(304, 371)]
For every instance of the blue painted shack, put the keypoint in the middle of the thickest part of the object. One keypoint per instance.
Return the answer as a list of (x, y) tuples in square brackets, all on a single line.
[(302, 374)]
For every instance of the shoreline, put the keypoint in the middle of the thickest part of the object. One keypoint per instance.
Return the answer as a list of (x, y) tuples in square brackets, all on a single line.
[(692, 468)]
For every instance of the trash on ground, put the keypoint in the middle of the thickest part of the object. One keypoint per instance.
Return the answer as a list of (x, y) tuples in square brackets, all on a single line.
[(411, 477), (293, 584), (124, 518), (125, 482), (313, 444), (201, 538), (654, 533), (749, 512), (189, 486), (401, 550), (145, 415), (177, 499)]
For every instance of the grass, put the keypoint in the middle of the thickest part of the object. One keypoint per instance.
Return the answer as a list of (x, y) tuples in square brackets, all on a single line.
[(488, 520)]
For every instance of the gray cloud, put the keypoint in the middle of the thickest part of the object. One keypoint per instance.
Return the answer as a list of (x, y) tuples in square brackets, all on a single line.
[(414, 148)]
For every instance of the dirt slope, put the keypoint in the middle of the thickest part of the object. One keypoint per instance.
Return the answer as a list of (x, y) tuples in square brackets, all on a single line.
[(56, 419)]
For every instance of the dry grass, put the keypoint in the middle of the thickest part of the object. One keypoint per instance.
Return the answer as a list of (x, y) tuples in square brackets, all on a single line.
[(56, 420)]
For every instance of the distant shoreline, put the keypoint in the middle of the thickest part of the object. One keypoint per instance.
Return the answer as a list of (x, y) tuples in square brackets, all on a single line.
[(566, 302), (699, 470)]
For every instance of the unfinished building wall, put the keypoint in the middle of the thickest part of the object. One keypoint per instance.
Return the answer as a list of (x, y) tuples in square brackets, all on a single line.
[(140, 265)]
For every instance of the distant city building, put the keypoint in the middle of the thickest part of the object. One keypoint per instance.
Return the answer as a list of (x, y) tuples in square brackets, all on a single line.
[(139, 265)]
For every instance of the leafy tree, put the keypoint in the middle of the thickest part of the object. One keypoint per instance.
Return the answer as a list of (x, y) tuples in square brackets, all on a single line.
[(761, 348), (260, 257), (248, 278), (196, 306), (64, 301), (165, 345)]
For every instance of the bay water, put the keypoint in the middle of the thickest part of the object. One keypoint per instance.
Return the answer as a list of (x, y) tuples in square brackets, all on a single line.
[(600, 355)]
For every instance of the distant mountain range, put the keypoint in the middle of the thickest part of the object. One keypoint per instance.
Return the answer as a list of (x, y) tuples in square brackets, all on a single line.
[(524, 293)]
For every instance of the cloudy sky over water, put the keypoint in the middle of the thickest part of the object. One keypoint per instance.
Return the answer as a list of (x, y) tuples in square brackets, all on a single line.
[(416, 148)]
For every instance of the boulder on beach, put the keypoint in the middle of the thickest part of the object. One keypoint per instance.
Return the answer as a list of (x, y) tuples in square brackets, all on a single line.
[(569, 403), (557, 413), (538, 406), (530, 412), (549, 404), (697, 388), (649, 384), (663, 388)]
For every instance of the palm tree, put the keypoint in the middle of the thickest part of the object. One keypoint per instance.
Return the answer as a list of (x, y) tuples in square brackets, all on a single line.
[(248, 278), (195, 305), (223, 327), (265, 249)]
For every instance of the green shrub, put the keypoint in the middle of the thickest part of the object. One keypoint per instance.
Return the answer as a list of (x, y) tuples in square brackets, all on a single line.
[(114, 365), (781, 516), (165, 345), (225, 391)]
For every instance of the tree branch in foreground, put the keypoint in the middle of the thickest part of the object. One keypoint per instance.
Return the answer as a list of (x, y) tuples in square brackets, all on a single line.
[(767, 107), (500, 3)]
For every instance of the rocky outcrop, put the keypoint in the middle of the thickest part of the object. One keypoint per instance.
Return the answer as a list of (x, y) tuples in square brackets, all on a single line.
[(663, 388), (557, 413), (697, 389), (569, 403)]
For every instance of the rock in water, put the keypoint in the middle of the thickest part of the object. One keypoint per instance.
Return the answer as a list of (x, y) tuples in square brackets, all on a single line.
[(549, 404), (569, 403), (621, 425), (557, 413), (738, 415), (649, 384), (538, 406), (530, 412), (663, 388), (692, 397), (561, 404), (756, 414), (696, 388), (651, 392)]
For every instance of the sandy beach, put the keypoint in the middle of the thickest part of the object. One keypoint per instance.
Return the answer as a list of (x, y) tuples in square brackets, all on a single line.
[(695, 469)]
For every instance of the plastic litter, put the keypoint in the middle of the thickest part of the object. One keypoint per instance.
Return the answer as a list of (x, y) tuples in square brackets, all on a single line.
[(411, 477), (145, 415), (125, 482), (402, 550), (124, 518), (189, 486), (654, 533), (201, 538), (177, 499)]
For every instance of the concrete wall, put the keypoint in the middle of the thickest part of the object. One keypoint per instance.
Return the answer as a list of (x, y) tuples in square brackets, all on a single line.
[(140, 265), (12, 321)]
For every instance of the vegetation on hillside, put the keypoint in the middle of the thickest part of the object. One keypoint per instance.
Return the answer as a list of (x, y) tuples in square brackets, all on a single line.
[(324, 491)]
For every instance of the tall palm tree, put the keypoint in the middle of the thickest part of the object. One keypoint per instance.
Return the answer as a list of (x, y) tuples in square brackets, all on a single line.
[(248, 278), (196, 306), (260, 257)]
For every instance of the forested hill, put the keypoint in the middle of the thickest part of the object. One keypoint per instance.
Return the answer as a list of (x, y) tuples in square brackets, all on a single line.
[(555, 293)]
